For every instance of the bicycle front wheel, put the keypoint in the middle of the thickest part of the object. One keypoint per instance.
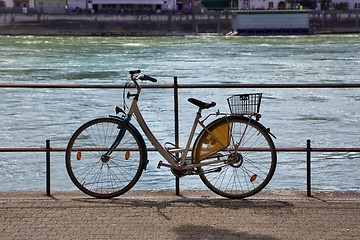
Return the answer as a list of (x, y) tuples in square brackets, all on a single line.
[(247, 157), (105, 176)]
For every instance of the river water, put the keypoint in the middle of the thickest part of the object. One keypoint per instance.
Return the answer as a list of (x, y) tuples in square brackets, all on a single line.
[(329, 117)]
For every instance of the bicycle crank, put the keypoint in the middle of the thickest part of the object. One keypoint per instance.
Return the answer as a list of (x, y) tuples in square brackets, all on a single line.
[(180, 173)]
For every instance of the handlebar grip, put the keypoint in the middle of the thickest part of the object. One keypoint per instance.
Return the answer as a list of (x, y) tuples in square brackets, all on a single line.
[(148, 78)]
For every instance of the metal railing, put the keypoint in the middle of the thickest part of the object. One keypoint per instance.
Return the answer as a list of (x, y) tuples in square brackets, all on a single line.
[(308, 149)]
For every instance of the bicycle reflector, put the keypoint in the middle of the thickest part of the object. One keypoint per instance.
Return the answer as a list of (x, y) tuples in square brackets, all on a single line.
[(253, 178), (127, 155), (258, 116), (78, 155)]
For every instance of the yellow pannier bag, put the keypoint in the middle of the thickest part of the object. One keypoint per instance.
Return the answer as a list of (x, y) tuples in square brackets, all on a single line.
[(215, 139)]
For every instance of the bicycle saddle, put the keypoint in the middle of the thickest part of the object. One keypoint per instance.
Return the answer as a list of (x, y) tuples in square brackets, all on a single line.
[(201, 104)]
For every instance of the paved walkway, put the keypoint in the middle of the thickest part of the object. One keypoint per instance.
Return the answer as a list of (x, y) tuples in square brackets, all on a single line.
[(193, 215)]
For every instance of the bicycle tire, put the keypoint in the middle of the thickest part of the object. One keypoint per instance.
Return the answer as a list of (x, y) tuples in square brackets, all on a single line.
[(244, 172), (110, 177)]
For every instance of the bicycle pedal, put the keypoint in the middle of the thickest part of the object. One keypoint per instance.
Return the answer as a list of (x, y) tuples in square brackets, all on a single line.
[(162, 164)]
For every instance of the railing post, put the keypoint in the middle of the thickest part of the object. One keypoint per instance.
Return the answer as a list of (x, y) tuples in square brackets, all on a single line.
[(308, 167), (48, 168), (176, 117)]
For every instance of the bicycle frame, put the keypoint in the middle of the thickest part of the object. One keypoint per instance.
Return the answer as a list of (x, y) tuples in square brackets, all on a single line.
[(135, 111)]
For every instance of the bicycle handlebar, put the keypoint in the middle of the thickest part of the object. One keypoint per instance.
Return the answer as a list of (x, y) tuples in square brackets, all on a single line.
[(147, 78), (134, 78), (141, 77)]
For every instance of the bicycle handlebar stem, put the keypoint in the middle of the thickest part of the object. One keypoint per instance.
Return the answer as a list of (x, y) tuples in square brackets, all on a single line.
[(134, 76)]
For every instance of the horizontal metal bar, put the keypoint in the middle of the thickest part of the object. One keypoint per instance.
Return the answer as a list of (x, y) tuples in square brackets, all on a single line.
[(153, 149), (22, 149), (318, 149), (230, 85)]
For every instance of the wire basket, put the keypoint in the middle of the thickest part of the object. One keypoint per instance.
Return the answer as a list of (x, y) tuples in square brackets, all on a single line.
[(245, 104)]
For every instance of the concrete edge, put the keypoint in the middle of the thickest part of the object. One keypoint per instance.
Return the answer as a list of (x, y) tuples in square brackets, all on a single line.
[(186, 196)]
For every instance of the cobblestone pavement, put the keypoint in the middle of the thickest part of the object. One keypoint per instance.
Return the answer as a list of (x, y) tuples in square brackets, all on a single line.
[(193, 215)]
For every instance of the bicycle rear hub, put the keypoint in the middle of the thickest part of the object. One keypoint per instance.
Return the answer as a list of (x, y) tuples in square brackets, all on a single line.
[(235, 159)]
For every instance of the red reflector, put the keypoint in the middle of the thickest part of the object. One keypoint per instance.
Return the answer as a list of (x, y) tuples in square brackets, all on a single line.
[(253, 178)]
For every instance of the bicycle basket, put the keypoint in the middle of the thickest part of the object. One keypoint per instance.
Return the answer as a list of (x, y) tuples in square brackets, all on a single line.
[(245, 104)]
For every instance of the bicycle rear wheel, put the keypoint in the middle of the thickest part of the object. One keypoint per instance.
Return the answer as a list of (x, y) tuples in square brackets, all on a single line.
[(248, 154), (110, 176)]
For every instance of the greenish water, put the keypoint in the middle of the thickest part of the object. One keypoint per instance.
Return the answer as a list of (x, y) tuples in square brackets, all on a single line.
[(329, 117)]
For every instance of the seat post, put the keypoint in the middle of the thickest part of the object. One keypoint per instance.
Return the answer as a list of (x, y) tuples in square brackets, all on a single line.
[(198, 114)]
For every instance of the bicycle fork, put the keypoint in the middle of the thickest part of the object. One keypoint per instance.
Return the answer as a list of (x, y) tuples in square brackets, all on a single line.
[(117, 141)]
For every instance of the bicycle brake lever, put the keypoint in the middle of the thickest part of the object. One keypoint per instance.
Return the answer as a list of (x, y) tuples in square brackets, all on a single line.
[(129, 95)]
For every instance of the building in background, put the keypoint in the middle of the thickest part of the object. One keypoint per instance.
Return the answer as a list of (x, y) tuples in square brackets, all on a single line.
[(19, 6), (122, 6), (89, 6), (51, 6), (162, 6)]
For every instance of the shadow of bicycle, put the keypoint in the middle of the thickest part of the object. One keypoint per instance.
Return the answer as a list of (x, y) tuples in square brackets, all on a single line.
[(202, 232)]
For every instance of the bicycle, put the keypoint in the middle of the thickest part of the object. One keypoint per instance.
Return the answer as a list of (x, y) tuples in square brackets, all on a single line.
[(234, 155)]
